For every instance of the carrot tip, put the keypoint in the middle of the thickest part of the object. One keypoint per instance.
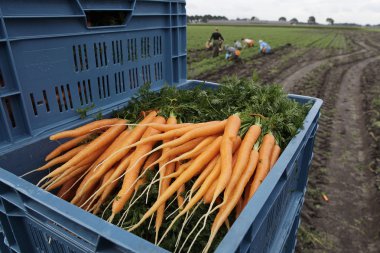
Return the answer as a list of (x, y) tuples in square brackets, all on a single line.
[(110, 219)]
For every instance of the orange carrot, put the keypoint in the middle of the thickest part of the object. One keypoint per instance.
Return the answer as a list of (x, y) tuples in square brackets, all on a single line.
[(67, 190), (210, 180), (263, 167), (165, 185), (110, 185), (239, 207), (202, 131), (231, 203), (104, 139), (180, 192), (105, 154), (105, 179), (66, 146), (180, 170), (230, 134), (164, 182), (249, 140), (192, 153), (275, 155), (207, 198), (83, 201), (112, 182), (205, 173), (151, 160), (166, 127), (89, 160), (171, 121), (194, 168), (148, 165), (63, 158), (135, 135), (185, 134), (107, 176), (85, 129), (184, 148), (77, 172), (115, 145), (246, 191), (133, 171), (187, 146)]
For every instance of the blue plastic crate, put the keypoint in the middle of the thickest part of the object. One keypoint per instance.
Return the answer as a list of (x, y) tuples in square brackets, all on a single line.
[(55, 59), (34, 219)]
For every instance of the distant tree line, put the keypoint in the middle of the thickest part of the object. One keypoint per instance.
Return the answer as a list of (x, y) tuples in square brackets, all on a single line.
[(294, 21), (204, 18)]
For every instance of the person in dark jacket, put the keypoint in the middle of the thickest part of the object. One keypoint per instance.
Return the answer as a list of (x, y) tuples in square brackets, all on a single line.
[(217, 41)]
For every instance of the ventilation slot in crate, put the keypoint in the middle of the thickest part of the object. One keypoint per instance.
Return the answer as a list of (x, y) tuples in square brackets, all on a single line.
[(85, 92), (146, 74), (11, 115), (38, 239), (43, 242), (37, 103), (80, 57), (145, 47), (57, 246), (157, 45), (117, 52), (158, 73), (132, 49), (103, 87), (100, 50), (119, 82), (2, 85), (64, 99), (133, 78)]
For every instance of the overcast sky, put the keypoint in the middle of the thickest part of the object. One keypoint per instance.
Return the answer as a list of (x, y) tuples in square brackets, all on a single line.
[(357, 11)]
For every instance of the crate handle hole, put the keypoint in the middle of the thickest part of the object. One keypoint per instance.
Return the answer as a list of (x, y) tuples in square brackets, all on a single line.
[(106, 18)]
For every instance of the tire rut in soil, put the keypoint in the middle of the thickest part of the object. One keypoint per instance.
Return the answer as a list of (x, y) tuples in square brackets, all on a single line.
[(350, 184), (299, 71), (330, 84)]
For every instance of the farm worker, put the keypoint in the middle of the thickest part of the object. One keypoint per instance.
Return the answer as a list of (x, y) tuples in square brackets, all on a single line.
[(217, 41), (264, 47), (232, 54), (238, 45), (248, 42)]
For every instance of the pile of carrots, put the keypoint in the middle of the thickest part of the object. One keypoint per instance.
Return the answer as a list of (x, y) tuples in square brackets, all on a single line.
[(108, 165)]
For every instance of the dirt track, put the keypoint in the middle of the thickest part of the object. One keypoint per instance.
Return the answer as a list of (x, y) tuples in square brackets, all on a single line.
[(345, 148)]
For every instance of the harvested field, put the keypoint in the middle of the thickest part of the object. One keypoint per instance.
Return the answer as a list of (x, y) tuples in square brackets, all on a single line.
[(342, 68)]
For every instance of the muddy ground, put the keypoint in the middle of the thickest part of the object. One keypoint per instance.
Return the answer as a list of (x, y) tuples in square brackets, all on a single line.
[(346, 164)]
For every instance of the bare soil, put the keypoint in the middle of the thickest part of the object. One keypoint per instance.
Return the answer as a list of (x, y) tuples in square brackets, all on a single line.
[(346, 164)]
